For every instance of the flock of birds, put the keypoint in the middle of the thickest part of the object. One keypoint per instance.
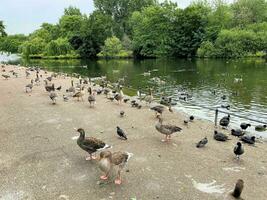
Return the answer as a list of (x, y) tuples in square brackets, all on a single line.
[(91, 145)]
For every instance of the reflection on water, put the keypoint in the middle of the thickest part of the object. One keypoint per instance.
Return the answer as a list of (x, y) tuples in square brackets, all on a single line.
[(243, 83)]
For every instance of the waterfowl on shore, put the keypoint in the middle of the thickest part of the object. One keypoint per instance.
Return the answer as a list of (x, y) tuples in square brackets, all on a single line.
[(37, 79), (244, 126), (248, 139), (238, 150), (149, 98), (159, 109), (119, 96), (29, 87), (49, 87), (122, 113), (166, 130), (121, 133), (79, 94), (220, 136), (27, 73), (191, 118), (15, 74), (72, 88), (53, 96), (126, 100), (237, 132), (6, 76), (65, 98), (90, 144), (49, 78), (225, 121), (108, 160), (59, 88), (238, 189), (91, 97), (202, 142), (260, 128)]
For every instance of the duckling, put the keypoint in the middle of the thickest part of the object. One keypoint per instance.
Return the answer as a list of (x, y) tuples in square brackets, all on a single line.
[(244, 126), (248, 139), (237, 132), (238, 150), (79, 94), (220, 136), (260, 128), (90, 145), (225, 121), (91, 97), (238, 189), (121, 133), (202, 142), (108, 160), (53, 97), (167, 130), (29, 87), (6, 76)]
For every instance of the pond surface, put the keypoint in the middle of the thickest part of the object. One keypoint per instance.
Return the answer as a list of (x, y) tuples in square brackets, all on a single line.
[(205, 81)]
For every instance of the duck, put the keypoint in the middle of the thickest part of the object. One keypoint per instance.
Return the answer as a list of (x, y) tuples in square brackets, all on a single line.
[(53, 96), (260, 128), (29, 87), (79, 94), (237, 132), (220, 136), (238, 150), (167, 130), (109, 160), (202, 142), (91, 97), (248, 139), (121, 133), (244, 126), (225, 121), (90, 144)]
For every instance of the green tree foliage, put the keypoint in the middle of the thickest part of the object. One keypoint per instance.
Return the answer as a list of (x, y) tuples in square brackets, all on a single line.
[(11, 43), (70, 24), (2, 29), (33, 47), (61, 46), (72, 11)]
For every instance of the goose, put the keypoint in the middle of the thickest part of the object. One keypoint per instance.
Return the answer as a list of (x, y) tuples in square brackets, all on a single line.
[(225, 121), (29, 87), (260, 127), (238, 150), (126, 100), (202, 142), (91, 97), (27, 73), (237, 132), (72, 88), (248, 139), (53, 97), (244, 126), (15, 74), (37, 79), (167, 130), (90, 144), (65, 98), (220, 136), (6, 76), (121, 133), (119, 96), (159, 109), (79, 94), (122, 113), (150, 97), (108, 160), (49, 78), (49, 88)]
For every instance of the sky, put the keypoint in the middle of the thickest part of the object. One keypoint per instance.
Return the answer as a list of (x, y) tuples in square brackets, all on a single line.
[(25, 16)]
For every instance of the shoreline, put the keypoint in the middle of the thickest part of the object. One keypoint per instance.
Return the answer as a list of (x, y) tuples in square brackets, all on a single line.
[(40, 160)]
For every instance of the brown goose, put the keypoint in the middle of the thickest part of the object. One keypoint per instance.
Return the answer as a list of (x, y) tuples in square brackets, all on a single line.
[(53, 96), (72, 88), (29, 87), (108, 160), (79, 94), (159, 109), (149, 98), (91, 97), (90, 144), (167, 130), (49, 87), (119, 96)]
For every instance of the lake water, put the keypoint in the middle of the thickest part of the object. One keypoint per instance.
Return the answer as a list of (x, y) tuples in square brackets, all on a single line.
[(243, 82)]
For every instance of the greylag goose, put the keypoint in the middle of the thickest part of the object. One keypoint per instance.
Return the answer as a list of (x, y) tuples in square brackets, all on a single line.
[(79, 94), (90, 144), (53, 96), (91, 97), (108, 160), (29, 87), (166, 130)]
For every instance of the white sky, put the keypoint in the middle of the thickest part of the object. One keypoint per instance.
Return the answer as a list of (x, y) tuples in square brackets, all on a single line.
[(25, 16)]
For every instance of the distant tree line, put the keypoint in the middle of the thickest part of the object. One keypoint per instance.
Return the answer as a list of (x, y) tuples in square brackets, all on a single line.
[(147, 28)]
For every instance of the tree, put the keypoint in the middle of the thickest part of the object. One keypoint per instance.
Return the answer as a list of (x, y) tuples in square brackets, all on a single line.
[(72, 11), (112, 47), (2, 29), (11, 43), (70, 24)]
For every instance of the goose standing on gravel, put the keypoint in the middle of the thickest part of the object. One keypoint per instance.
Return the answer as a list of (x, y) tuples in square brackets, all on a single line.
[(49, 87), (79, 94), (72, 88), (119, 96), (149, 98), (220, 136), (225, 121), (91, 97), (108, 160), (159, 109), (6, 76), (53, 96), (166, 130), (238, 150), (29, 87), (90, 144)]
